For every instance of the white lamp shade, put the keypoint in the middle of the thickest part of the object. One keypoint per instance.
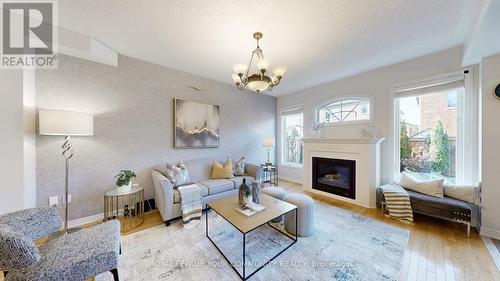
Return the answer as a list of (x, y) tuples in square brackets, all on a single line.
[(236, 78), (279, 70), (268, 142), (240, 68), (65, 123)]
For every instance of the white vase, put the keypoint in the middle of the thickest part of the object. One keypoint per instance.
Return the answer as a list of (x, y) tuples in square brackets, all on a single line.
[(125, 188)]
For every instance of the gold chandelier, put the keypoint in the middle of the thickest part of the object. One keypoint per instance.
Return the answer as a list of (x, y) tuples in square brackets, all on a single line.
[(261, 81)]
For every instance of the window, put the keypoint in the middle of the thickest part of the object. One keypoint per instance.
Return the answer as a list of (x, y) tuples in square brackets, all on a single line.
[(292, 124), (452, 100), (345, 110), (433, 133)]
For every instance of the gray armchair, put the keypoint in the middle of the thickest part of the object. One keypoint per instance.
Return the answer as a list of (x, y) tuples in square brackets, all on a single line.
[(76, 256)]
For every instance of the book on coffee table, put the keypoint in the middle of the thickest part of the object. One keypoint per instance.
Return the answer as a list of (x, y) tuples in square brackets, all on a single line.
[(250, 209)]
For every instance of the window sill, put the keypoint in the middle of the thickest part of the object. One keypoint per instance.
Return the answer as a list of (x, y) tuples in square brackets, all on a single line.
[(344, 123)]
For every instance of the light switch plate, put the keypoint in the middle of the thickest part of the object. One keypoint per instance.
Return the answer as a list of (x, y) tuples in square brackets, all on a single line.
[(53, 201)]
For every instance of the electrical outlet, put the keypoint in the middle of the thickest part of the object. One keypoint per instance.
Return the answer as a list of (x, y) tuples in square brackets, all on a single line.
[(53, 201)]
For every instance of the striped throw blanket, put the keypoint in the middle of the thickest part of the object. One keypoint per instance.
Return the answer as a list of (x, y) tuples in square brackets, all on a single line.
[(190, 202), (397, 202)]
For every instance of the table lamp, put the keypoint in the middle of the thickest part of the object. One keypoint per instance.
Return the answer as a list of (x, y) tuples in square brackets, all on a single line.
[(268, 143), (65, 123)]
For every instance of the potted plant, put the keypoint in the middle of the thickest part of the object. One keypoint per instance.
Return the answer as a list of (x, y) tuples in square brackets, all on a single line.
[(124, 180)]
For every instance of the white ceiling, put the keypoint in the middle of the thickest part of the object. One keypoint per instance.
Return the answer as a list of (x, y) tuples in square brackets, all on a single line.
[(319, 41)]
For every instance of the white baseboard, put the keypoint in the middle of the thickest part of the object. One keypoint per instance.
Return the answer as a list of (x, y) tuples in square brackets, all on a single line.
[(488, 232), (85, 220), (89, 219), (292, 179), (493, 250)]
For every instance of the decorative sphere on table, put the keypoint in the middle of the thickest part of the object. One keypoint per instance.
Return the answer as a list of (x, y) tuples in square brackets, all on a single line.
[(244, 193)]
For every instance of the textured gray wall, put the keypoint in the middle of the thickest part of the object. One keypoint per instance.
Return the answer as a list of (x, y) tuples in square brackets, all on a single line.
[(133, 125)]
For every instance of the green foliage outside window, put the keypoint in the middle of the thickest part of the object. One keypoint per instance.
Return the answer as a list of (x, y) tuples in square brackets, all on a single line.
[(440, 143), (404, 142)]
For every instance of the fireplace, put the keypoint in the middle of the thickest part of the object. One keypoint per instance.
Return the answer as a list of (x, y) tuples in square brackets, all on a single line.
[(335, 176)]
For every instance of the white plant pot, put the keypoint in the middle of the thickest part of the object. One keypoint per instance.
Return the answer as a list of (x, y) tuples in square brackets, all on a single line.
[(125, 188)]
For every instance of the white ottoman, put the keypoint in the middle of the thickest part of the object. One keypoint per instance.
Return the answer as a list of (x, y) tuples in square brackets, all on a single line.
[(278, 193), (305, 208)]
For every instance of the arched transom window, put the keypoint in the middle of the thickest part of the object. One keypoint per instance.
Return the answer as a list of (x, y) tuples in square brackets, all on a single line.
[(345, 110)]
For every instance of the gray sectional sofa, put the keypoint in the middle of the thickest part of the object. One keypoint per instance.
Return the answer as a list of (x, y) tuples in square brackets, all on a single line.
[(167, 198)]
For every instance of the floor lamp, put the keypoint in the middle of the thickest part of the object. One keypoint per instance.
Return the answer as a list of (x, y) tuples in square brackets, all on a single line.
[(65, 123)]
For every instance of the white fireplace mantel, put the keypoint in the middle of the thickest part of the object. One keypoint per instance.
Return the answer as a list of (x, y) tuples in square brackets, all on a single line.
[(366, 153)]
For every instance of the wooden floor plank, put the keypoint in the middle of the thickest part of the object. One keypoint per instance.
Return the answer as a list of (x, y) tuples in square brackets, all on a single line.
[(440, 266)]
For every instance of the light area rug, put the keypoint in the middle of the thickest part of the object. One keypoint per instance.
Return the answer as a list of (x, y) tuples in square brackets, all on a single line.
[(344, 247)]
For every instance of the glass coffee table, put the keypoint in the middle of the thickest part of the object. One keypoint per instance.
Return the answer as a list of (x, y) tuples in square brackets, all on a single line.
[(225, 208)]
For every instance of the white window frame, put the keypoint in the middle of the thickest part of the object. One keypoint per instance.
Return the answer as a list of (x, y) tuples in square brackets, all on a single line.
[(467, 160), (349, 122), (283, 112)]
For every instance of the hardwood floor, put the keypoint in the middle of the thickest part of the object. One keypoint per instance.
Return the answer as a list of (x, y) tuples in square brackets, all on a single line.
[(437, 250)]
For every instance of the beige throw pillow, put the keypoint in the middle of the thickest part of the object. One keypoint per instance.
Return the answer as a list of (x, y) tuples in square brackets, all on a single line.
[(467, 193), (222, 172), (430, 187)]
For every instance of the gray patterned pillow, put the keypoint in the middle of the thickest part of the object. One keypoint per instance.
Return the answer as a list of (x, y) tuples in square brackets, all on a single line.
[(177, 174), (239, 167), (170, 171), (16, 250)]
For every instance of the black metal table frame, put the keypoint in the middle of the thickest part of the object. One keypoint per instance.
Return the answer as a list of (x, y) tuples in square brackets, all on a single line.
[(243, 277), (272, 171)]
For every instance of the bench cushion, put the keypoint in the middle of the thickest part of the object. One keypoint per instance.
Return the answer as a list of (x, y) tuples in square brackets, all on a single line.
[(442, 207)]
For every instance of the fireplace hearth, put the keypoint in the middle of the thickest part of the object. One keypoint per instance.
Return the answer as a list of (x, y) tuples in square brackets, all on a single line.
[(335, 176)]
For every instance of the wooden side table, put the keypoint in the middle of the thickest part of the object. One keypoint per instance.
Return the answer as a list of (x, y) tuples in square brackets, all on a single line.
[(127, 207), (270, 173)]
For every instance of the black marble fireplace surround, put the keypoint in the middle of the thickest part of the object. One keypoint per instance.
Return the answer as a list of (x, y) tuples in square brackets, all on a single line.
[(335, 176)]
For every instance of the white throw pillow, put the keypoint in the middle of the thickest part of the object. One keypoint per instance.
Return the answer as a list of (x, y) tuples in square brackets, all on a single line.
[(239, 167), (430, 187), (467, 193), (177, 174)]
